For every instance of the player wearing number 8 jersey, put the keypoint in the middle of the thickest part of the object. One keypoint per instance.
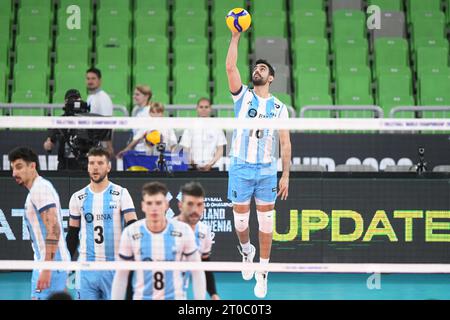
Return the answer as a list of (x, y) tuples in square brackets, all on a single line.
[(157, 238), (98, 214), (253, 166)]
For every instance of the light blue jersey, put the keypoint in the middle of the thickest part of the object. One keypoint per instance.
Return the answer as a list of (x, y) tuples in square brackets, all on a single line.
[(250, 145), (101, 218), (41, 197), (174, 243)]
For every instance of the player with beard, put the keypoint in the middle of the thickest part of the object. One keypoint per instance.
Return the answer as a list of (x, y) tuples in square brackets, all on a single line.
[(192, 205), (100, 211), (253, 164)]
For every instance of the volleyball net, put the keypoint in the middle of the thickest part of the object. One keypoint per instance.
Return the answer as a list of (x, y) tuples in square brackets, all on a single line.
[(354, 220)]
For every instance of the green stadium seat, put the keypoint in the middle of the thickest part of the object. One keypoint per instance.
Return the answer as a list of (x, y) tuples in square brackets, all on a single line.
[(116, 84), (114, 13), (225, 113), (189, 96), (161, 96), (309, 23), (390, 52), (187, 26), (199, 13), (116, 4), (348, 24), (151, 13), (353, 85), (112, 55), (428, 25), (114, 26), (30, 52), (191, 77), (66, 23), (286, 98), (74, 37), (3, 97), (312, 85), (155, 54), (428, 57), (65, 80), (29, 97), (387, 5), (33, 81), (190, 5), (190, 49), (70, 66), (269, 24), (37, 27), (144, 28), (74, 53), (351, 52), (222, 7), (5, 26), (220, 50), (263, 5), (413, 6), (221, 79), (146, 5), (394, 88), (222, 97), (4, 50), (434, 87), (155, 76), (45, 4), (310, 51), (306, 5)]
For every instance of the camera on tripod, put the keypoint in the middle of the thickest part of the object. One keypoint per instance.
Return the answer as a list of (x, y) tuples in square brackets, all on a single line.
[(421, 165), (161, 147), (80, 141)]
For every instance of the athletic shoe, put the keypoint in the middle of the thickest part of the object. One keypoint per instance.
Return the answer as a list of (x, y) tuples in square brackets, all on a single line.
[(261, 284), (247, 258)]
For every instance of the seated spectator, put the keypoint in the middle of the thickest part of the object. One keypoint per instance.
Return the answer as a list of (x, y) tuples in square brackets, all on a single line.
[(204, 146), (167, 135)]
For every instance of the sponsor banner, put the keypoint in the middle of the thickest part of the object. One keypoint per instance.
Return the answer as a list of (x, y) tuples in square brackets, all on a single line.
[(326, 219)]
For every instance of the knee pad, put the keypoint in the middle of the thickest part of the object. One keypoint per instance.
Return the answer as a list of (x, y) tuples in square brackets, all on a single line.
[(265, 221), (241, 220)]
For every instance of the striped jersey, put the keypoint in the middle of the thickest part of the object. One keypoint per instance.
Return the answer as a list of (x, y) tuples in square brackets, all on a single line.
[(101, 220), (41, 197), (174, 243), (250, 145)]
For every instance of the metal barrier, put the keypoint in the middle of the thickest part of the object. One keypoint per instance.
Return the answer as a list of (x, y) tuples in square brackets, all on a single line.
[(216, 108), (376, 109), (169, 108), (417, 108), (48, 107)]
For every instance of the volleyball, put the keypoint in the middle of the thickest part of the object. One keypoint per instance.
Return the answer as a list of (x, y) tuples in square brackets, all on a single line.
[(238, 20), (153, 137)]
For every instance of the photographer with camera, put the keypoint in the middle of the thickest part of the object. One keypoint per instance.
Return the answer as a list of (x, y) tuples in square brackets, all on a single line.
[(74, 144)]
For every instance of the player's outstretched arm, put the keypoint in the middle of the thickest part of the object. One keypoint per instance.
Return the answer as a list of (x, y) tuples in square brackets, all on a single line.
[(234, 77)]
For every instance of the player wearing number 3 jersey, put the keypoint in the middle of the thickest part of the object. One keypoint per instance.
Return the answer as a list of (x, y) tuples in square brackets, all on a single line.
[(98, 214)]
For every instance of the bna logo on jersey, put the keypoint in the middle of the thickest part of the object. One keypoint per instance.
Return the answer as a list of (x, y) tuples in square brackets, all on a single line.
[(252, 113), (89, 217)]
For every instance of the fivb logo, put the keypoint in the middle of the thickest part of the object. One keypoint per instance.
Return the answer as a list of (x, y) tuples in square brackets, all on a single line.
[(374, 20), (74, 20)]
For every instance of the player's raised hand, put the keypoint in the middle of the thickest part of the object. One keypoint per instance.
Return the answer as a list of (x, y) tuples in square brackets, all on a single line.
[(284, 188)]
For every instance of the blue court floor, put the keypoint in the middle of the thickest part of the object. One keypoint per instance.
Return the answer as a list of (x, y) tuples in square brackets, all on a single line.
[(16, 286)]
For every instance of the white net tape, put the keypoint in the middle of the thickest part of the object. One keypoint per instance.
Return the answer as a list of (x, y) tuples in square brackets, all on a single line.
[(298, 124), (229, 266)]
